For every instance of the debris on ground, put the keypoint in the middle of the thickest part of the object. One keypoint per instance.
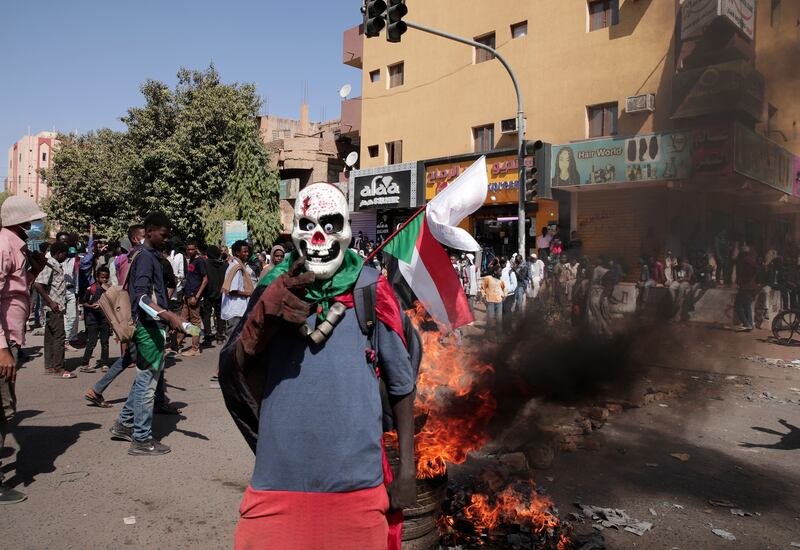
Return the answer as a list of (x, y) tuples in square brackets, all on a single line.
[(616, 519), (721, 503), (722, 533), (68, 477), (683, 457), (129, 520), (741, 513)]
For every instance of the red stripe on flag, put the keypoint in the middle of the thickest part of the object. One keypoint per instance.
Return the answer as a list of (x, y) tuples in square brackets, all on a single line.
[(438, 265)]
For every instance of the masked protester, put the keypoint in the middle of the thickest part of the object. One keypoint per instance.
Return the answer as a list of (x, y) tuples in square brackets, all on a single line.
[(18, 269), (300, 387)]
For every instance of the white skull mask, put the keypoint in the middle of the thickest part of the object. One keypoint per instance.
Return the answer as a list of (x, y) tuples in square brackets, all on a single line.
[(322, 228)]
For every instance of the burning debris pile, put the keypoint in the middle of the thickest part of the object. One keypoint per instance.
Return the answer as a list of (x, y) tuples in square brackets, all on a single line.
[(454, 409)]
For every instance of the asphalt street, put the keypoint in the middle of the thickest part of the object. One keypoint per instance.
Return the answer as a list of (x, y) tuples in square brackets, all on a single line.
[(742, 446)]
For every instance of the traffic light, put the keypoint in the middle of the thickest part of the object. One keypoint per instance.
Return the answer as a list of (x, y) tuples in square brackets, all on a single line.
[(530, 149), (373, 17), (394, 18)]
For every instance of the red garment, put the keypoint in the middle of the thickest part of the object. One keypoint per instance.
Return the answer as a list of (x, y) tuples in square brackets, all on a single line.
[(288, 520), (386, 306)]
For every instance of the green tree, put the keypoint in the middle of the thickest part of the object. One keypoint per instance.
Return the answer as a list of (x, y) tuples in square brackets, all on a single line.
[(186, 139), (250, 195), (180, 155), (90, 182)]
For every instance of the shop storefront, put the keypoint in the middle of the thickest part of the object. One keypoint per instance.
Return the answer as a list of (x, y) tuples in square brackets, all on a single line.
[(682, 192), (495, 225), (382, 198)]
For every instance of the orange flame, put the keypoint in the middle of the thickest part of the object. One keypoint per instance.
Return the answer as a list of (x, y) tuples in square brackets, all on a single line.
[(448, 373), (512, 507)]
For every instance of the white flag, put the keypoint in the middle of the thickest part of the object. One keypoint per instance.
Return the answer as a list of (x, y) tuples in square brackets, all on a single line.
[(457, 201)]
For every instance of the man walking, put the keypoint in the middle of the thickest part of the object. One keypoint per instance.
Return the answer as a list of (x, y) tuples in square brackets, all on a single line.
[(18, 269), (510, 281), (149, 309)]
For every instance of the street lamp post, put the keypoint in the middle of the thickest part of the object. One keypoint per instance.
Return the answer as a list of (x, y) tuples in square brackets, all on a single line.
[(520, 121)]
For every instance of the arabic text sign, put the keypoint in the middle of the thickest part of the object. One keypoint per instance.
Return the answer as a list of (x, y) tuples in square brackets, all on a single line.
[(762, 160), (387, 190), (502, 172)]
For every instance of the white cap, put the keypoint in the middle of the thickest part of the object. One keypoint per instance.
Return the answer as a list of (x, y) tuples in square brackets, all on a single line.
[(17, 210)]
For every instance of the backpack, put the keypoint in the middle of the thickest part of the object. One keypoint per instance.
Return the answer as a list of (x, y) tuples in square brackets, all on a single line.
[(116, 306), (364, 298)]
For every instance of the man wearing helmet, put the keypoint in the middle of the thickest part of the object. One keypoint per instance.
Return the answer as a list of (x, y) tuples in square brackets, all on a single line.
[(302, 390), (18, 269)]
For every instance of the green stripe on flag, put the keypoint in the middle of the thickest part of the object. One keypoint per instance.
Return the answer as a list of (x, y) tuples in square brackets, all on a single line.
[(402, 245)]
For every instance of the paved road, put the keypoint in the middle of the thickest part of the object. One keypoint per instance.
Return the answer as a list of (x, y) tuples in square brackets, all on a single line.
[(81, 484)]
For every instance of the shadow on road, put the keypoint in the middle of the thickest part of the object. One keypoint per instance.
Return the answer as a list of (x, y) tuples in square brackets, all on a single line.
[(789, 441), (707, 474), (40, 446), (168, 423)]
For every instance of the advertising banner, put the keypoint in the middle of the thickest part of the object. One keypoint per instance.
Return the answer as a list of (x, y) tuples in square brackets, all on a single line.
[(712, 151), (503, 174), (763, 160), (616, 160), (696, 15), (385, 187), (233, 230)]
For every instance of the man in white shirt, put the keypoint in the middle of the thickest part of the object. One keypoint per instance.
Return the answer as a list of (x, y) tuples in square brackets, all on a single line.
[(178, 263), (510, 279), (537, 274), (238, 286)]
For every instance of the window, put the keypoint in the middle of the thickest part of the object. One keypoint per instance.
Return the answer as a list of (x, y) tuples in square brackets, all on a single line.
[(483, 138), (482, 55), (396, 75), (375, 76), (44, 157), (518, 30), (775, 14), (394, 152), (603, 13), (602, 120), (276, 134), (372, 150)]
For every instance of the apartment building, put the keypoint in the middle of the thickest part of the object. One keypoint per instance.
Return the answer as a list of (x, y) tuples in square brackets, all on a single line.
[(667, 121), (25, 158)]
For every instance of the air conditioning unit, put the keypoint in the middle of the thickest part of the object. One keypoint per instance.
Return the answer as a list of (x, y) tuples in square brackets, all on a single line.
[(640, 103), (509, 126)]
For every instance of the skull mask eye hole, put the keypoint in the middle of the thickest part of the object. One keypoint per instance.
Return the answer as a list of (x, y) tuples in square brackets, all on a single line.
[(332, 224), (307, 225)]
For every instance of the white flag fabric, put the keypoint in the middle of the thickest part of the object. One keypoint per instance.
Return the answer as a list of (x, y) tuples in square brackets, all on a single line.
[(457, 201)]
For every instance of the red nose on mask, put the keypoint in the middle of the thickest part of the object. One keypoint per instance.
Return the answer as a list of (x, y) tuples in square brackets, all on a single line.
[(318, 238)]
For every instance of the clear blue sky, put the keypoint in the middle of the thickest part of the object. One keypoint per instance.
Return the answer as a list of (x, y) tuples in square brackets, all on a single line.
[(78, 64)]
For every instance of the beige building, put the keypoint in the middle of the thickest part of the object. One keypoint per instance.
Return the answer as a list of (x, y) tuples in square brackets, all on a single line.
[(25, 158), (304, 152), (699, 72)]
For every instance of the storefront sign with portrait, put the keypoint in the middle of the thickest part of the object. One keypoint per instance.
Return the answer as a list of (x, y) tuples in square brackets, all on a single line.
[(617, 160), (763, 160), (385, 187), (502, 172)]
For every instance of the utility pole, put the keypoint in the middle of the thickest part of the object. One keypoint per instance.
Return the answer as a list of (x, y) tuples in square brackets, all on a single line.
[(520, 122)]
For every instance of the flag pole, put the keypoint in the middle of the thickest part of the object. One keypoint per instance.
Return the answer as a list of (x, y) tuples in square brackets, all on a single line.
[(390, 237)]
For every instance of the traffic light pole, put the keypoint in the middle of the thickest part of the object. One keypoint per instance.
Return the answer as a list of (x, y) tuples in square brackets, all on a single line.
[(520, 121)]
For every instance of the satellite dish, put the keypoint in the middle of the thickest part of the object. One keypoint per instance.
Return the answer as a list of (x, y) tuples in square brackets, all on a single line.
[(351, 159), (345, 91)]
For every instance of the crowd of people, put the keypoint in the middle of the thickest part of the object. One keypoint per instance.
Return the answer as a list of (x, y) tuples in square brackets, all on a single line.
[(177, 293)]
